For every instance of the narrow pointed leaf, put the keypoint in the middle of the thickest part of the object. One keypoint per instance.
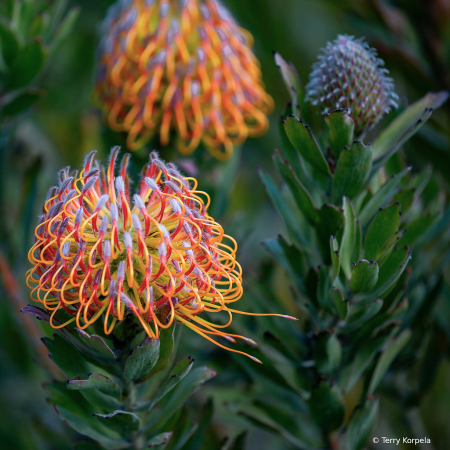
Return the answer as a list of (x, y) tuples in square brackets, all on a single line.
[(415, 229), (341, 128), (331, 221), (394, 347), (8, 44), (348, 238), (283, 209), (341, 305), (361, 424), (381, 197), (335, 261), (327, 352), (292, 81), (142, 360), (384, 225), (301, 195), (121, 421), (364, 276), (26, 65), (160, 439), (327, 407), (177, 374), (361, 315), (96, 343), (399, 130), (302, 139), (352, 170), (405, 197), (323, 289), (95, 381)]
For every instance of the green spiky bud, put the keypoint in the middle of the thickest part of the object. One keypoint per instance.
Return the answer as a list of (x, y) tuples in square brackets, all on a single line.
[(349, 75)]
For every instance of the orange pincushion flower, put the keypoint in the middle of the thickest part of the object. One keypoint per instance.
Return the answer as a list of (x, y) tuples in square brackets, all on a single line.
[(181, 68), (161, 259)]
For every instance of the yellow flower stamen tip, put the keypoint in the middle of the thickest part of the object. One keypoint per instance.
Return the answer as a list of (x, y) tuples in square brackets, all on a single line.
[(182, 69)]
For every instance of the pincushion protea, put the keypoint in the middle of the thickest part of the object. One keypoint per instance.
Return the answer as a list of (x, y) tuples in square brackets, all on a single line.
[(182, 68), (161, 259), (349, 75)]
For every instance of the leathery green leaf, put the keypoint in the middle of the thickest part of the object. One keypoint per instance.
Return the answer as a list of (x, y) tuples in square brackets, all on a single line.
[(95, 381), (384, 225), (8, 43), (142, 360), (415, 229), (364, 276), (348, 238), (292, 82), (301, 195), (327, 352), (302, 139), (341, 304), (341, 128), (331, 221), (120, 420), (327, 407), (334, 247), (388, 355), (352, 170), (399, 130), (361, 424), (381, 197)]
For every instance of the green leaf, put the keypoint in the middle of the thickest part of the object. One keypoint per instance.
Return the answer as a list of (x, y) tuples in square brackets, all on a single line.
[(301, 195), (302, 139), (337, 299), (395, 263), (290, 257), (64, 29), (121, 421), (292, 82), (364, 276), (331, 220), (21, 103), (415, 229), (335, 261), (327, 352), (363, 358), (190, 384), (96, 343), (384, 225), (348, 238), (356, 255), (361, 424), (65, 356), (352, 170), (405, 198), (327, 407), (381, 197), (363, 314), (283, 209), (393, 348), (177, 374), (95, 381), (386, 249), (291, 153), (240, 442), (323, 289), (406, 124), (142, 360), (26, 65), (160, 439), (341, 128), (80, 425), (8, 44), (165, 349)]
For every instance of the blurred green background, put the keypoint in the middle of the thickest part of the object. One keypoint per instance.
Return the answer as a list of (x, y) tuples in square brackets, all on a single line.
[(412, 36)]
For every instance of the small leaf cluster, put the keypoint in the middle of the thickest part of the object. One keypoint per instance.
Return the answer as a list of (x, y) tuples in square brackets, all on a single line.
[(122, 391), (355, 215), (30, 31)]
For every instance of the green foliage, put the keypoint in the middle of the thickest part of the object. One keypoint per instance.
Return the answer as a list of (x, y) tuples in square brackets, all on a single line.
[(28, 36), (129, 400), (348, 259)]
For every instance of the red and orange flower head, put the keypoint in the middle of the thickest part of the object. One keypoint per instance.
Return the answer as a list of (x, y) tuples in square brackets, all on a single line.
[(183, 69), (160, 258)]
